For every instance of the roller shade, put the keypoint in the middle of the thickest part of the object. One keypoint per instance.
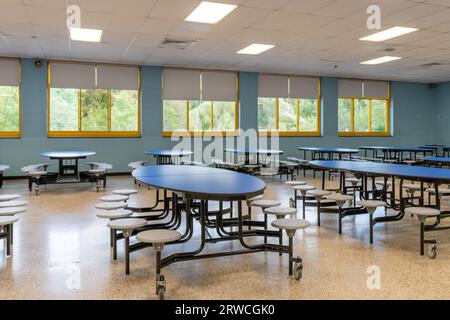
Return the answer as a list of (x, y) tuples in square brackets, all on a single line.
[(376, 89), (304, 87), (271, 86), (9, 72), (181, 84), (350, 88), (72, 76), (117, 77), (218, 86)]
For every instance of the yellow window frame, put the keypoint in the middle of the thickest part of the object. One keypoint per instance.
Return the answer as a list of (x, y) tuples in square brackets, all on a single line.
[(207, 133), (353, 133), (16, 134), (93, 134), (297, 133)]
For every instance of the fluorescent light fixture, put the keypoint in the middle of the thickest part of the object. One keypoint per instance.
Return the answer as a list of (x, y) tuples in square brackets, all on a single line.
[(381, 60), (255, 48), (389, 34), (210, 12), (89, 35)]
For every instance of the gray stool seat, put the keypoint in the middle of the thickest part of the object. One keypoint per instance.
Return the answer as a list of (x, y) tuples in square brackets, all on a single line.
[(115, 214), (304, 188), (6, 221), (11, 211), (8, 197), (14, 203), (125, 192), (295, 183), (158, 236), (281, 211), (353, 181), (266, 203), (339, 198), (441, 190), (97, 171), (372, 203), (111, 205), (127, 224), (319, 193), (381, 183), (114, 198), (412, 186), (251, 200), (290, 224), (37, 174), (144, 214), (423, 211)]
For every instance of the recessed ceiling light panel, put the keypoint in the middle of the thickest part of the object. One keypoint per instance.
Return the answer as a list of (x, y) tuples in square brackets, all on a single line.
[(388, 34), (381, 60), (88, 35), (255, 48), (210, 12)]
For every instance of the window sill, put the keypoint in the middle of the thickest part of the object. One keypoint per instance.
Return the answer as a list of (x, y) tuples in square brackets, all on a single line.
[(288, 134), (169, 134), (93, 134), (364, 134), (10, 135)]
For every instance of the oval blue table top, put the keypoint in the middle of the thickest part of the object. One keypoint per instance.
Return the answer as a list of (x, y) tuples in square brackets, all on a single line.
[(201, 182), (437, 159), (325, 149), (168, 153), (254, 151), (405, 149), (68, 154), (387, 169)]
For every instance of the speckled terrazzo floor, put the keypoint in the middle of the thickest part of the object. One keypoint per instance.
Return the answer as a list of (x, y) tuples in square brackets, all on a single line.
[(60, 237)]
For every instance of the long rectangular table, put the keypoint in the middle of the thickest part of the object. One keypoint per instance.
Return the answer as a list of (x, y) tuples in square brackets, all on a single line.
[(395, 153)]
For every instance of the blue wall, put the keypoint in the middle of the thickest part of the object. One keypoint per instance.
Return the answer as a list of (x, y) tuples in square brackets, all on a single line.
[(414, 107)]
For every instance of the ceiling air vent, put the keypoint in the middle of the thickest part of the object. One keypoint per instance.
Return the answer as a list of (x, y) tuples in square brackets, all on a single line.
[(177, 43)]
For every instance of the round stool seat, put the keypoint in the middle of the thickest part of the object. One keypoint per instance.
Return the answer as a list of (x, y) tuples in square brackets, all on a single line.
[(381, 183), (5, 221), (15, 203), (129, 223), (125, 192), (251, 200), (340, 198), (353, 181), (11, 211), (319, 193), (97, 171), (115, 214), (290, 224), (412, 186), (304, 188), (111, 205), (266, 203), (281, 211), (295, 183), (114, 198), (372, 203), (8, 197), (158, 236), (423, 211), (37, 174), (440, 190)]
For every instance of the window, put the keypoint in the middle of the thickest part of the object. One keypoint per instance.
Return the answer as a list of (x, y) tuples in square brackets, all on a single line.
[(289, 105), (363, 108), (10, 126), (93, 101), (199, 102)]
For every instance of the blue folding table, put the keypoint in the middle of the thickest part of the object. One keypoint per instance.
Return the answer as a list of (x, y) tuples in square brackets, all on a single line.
[(168, 156), (249, 151)]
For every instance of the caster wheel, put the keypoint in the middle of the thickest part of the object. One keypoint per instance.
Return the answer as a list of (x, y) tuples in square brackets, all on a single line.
[(432, 251), (298, 271)]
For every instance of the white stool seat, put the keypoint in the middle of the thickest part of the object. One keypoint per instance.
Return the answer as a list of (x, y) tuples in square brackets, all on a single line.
[(266, 203), (339, 197), (97, 171), (412, 187), (353, 181), (114, 198), (440, 190), (115, 214), (5, 221), (290, 224), (158, 236), (372, 203), (319, 193), (15, 203), (295, 183), (125, 192), (423, 211), (127, 224), (111, 205), (8, 197), (251, 200), (304, 188), (12, 211), (281, 211), (37, 174)]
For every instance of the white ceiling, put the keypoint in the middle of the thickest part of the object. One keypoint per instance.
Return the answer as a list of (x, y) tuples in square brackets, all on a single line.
[(311, 36)]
